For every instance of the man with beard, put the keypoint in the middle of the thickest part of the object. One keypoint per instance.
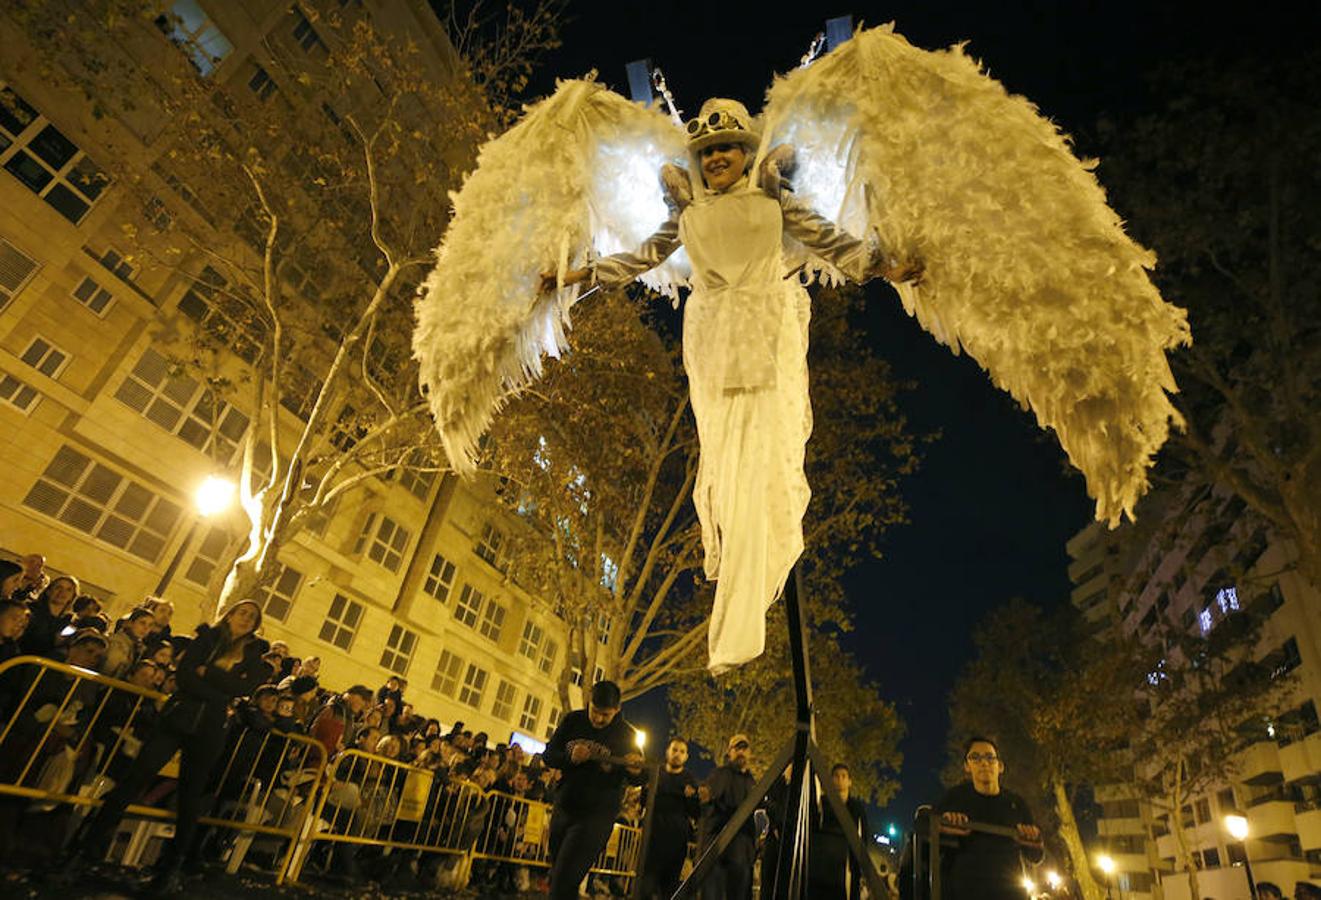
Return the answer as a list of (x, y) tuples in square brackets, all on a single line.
[(677, 806)]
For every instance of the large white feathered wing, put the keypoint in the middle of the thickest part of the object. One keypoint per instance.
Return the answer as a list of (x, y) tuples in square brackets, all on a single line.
[(578, 175), (1027, 268)]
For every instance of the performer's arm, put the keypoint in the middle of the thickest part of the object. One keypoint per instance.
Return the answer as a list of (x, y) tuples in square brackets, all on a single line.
[(621, 268), (858, 259)]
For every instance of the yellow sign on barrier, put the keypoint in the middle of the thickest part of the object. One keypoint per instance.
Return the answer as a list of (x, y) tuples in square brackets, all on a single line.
[(413, 797)]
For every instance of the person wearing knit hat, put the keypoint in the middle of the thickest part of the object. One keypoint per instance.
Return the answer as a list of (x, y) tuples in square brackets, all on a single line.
[(723, 792), (745, 352)]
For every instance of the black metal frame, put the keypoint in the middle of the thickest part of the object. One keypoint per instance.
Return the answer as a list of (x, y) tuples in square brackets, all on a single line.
[(790, 875)]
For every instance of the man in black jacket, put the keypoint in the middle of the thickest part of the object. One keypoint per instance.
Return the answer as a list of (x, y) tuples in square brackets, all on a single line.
[(677, 807), (592, 787), (725, 790), (986, 866), (833, 872)]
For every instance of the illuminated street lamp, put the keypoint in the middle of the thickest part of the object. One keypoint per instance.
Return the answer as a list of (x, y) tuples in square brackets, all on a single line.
[(1053, 879), (1030, 886), (1106, 865), (212, 497), (640, 738), (1237, 826)]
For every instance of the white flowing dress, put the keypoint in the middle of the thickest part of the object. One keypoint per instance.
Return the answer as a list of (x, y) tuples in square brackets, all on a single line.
[(745, 351)]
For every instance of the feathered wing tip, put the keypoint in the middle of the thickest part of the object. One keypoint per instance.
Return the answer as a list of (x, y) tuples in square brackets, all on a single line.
[(1027, 268), (576, 176)]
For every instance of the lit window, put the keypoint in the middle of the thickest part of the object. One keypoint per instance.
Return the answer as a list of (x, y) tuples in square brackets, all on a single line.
[(474, 683), (1205, 621), (182, 407), (505, 695), (548, 654), (208, 556), (193, 32), (277, 597), (45, 357), (341, 622), (468, 609), (446, 679), (530, 644), (490, 546), (46, 161), (1227, 599), (493, 621), (15, 393), (609, 572), (16, 267), (388, 546), (440, 580), (527, 721), (99, 501), (399, 650), (93, 296)]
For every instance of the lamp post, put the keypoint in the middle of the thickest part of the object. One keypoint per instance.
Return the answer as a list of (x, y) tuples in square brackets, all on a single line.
[(212, 497), (1106, 865), (1237, 826)]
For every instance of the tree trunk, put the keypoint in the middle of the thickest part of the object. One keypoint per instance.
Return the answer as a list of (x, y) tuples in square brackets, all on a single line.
[(1176, 825), (1082, 869), (241, 581)]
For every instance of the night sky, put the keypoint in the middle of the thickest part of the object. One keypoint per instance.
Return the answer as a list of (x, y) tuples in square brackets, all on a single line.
[(993, 504)]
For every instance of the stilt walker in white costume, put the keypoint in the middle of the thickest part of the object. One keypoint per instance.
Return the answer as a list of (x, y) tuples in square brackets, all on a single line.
[(921, 155)]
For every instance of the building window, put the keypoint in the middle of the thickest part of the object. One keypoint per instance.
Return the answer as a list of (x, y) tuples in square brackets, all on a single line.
[(474, 683), (99, 501), (1211, 857), (1203, 811), (598, 675), (341, 622), (493, 621), (603, 623), (388, 545), (299, 392), (15, 393), (182, 407), (552, 721), (230, 321), (260, 83), (530, 644), (418, 483), (93, 296), (440, 579), (469, 608), (277, 597), (305, 35), (399, 650), (576, 676), (16, 267), (505, 695), (491, 544), (47, 163), (446, 679), (548, 653), (45, 357), (208, 555), (527, 721), (189, 29)]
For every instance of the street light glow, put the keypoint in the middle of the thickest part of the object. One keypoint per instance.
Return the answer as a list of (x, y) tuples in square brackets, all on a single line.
[(1237, 826), (1106, 864), (215, 495), (1053, 879), (640, 738), (1029, 885)]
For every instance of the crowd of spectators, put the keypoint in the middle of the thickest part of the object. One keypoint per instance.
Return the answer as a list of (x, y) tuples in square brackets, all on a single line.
[(49, 617)]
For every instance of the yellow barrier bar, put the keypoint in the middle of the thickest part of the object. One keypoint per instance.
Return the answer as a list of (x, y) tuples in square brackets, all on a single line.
[(30, 743)]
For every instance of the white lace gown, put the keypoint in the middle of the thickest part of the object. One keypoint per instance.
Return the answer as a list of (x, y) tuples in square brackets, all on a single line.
[(745, 351)]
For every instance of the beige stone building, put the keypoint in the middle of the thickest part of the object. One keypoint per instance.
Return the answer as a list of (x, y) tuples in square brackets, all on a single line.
[(1213, 566), (104, 441)]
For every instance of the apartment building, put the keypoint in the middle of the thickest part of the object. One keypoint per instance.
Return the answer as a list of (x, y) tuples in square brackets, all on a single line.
[(105, 439), (1190, 565)]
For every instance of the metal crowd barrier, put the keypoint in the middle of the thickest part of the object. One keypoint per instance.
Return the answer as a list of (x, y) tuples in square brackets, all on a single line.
[(70, 734), (67, 734)]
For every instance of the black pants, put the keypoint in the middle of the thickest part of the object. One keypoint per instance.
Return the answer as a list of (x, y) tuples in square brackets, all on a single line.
[(576, 840), (665, 856), (198, 756), (731, 879)]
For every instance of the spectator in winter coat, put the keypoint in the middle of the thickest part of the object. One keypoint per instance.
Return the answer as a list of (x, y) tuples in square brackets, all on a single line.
[(50, 616), (126, 645), (336, 724)]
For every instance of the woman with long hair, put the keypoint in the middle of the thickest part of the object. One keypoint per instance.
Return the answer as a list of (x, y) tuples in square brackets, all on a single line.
[(51, 613), (224, 661)]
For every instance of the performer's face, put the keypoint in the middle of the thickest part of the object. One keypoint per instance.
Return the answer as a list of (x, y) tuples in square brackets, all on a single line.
[(984, 767), (676, 754), (740, 755), (601, 716), (843, 782), (722, 165)]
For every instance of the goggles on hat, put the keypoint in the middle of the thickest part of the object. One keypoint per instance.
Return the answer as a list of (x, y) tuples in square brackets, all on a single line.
[(716, 121)]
